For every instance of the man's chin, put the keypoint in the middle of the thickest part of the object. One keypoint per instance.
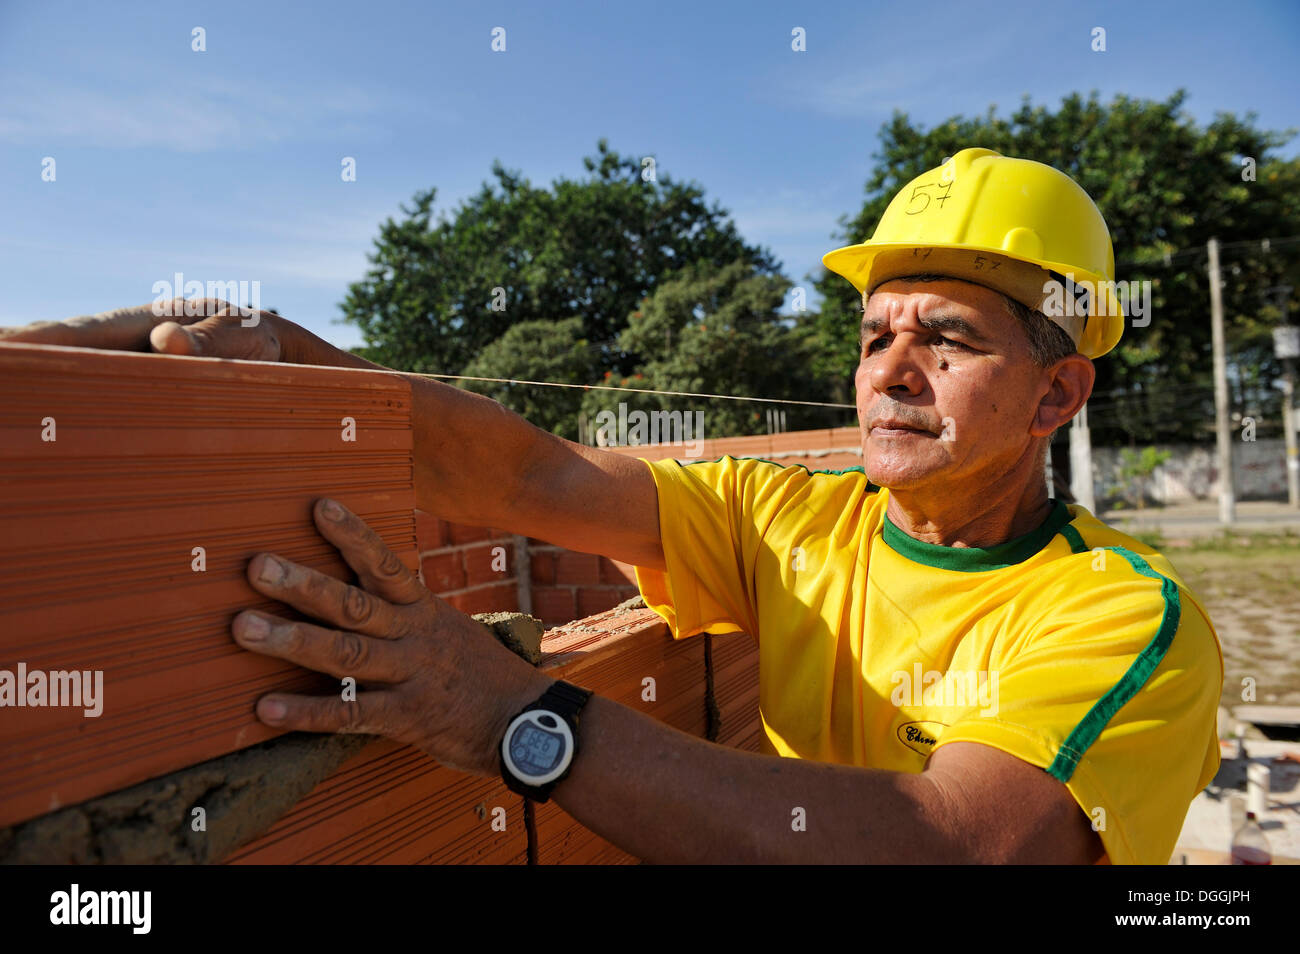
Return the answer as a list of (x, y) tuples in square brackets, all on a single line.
[(899, 474)]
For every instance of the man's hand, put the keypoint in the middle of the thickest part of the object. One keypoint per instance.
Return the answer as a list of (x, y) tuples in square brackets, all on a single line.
[(433, 677), (212, 329)]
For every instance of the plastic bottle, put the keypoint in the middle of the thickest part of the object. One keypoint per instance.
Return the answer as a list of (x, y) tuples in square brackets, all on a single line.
[(1249, 846)]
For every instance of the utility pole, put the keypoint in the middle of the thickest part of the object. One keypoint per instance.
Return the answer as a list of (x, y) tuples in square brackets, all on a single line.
[(1081, 462), (1286, 345), (1222, 427)]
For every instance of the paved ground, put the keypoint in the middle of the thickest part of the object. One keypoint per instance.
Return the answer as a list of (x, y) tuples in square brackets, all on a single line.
[(1249, 582), (1221, 809), (1201, 519)]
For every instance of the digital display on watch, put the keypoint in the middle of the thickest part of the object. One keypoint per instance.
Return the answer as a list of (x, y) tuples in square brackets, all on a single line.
[(535, 751)]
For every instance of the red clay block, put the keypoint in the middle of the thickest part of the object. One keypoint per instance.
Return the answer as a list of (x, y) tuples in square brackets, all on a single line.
[(443, 572), (571, 567), (614, 654), (492, 562), (542, 563), (554, 605), (392, 804), (502, 598), (562, 840), (735, 689), (459, 533), (153, 456), (430, 532), (597, 599)]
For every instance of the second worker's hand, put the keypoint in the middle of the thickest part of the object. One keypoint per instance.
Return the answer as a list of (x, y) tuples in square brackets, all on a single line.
[(209, 328)]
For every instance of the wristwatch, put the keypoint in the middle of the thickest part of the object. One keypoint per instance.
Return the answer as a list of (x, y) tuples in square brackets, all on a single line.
[(540, 743)]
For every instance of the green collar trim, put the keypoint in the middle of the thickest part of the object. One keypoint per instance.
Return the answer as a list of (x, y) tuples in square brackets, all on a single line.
[(977, 559)]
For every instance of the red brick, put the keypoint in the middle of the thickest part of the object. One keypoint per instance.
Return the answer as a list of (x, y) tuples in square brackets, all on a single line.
[(597, 599), (444, 572), (488, 599), (611, 571), (111, 497), (573, 567), (460, 533), (479, 562), (542, 564), (554, 605), (430, 532)]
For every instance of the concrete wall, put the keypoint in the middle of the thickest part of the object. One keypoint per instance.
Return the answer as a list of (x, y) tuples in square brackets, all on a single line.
[(1192, 473)]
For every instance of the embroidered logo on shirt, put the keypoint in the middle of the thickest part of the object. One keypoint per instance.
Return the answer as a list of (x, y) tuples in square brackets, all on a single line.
[(920, 736)]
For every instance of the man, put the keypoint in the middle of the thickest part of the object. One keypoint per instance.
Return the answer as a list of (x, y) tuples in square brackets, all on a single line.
[(955, 667)]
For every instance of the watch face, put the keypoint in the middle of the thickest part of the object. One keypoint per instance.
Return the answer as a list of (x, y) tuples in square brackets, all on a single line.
[(534, 750)]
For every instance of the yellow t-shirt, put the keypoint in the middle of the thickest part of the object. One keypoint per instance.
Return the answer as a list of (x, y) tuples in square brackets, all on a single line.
[(1075, 648)]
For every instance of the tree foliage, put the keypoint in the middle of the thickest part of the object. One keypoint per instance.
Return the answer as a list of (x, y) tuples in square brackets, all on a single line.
[(439, 292), (718, 330), (1165, 185)]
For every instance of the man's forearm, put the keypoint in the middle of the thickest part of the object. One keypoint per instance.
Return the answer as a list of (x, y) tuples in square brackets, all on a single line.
[(478, 463), (669, 797)]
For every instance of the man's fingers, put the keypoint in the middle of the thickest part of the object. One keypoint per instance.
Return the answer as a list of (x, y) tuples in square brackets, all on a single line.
[(323, 597), (366, 715), (225, 334), (206, 327), (376, 566), (124, 329), (337, 652)]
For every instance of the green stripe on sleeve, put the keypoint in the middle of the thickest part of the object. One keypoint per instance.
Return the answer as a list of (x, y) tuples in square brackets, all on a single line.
[(1087, 731)]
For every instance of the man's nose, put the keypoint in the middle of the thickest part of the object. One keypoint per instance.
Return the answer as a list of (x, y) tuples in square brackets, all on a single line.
[(895, 370)]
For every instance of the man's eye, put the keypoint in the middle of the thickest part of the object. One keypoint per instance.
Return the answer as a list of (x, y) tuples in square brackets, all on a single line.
[(949, 343), (871, 346)]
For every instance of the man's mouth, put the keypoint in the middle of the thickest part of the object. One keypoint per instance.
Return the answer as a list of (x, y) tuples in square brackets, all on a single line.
[(897, 429)]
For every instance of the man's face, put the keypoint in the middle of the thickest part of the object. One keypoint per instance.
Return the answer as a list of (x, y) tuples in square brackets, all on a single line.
[(946, 389)]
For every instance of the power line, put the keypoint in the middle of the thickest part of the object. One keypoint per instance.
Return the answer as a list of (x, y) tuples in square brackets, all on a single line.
[(609, 387), (1265, 245), (1168, 258)]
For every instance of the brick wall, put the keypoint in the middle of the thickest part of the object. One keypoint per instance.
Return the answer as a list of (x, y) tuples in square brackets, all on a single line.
[(475, 569), (390, 804), (472, 568)]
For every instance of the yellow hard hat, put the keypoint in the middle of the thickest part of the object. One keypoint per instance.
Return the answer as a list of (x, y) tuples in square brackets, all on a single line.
[(1014, 225)]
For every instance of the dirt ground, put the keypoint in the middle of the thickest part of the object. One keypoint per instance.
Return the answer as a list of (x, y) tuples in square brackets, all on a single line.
[(1250, 585)]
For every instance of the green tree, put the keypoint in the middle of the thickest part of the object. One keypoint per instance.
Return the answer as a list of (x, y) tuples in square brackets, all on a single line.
[(553, 351), (718, 330), (1164, 183), (439, 292), (1136, 468)]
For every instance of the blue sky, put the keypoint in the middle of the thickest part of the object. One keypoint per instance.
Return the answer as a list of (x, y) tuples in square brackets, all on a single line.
[(225, 164)]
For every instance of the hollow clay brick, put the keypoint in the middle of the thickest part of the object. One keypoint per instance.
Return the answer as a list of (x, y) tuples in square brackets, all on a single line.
[(572, 567), (392, 804), (482, 560), (541, 561), (443, 572), (554, 605), (614, 654), (154, 456)]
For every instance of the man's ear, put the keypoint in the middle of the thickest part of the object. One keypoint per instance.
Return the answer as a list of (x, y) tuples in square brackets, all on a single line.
[(1069, 383)]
